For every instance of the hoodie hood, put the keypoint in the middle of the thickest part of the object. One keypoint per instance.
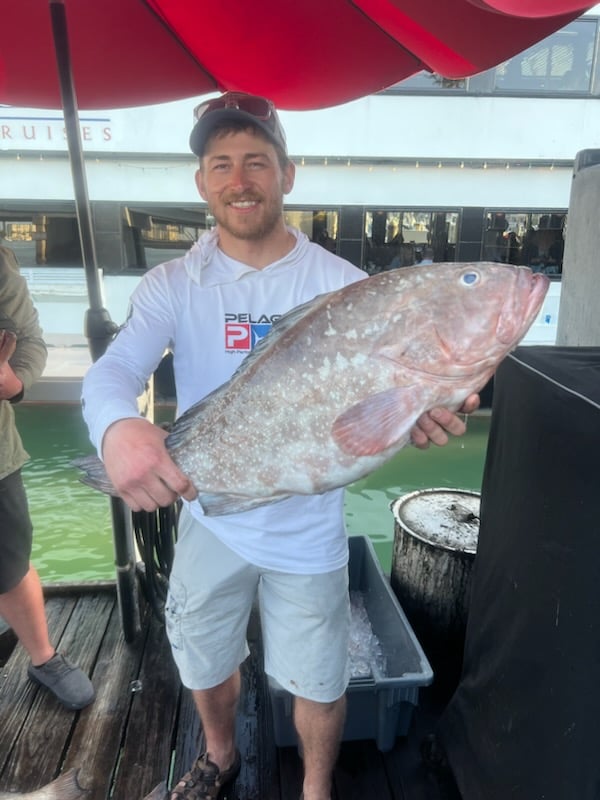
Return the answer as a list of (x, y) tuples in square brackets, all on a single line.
[(201, 267)]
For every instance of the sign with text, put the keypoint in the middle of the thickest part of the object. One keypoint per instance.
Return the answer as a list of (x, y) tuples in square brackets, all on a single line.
[(48, 132)]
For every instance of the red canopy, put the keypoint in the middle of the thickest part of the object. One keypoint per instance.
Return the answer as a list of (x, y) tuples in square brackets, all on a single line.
[(306, 54)]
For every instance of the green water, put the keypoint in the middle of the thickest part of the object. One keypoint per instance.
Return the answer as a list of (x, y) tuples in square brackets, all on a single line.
[(72, 528), (72, 524), (458, 465)]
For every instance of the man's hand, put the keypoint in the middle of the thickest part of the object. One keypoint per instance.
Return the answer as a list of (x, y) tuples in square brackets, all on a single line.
[(140, 468), (435, 425)]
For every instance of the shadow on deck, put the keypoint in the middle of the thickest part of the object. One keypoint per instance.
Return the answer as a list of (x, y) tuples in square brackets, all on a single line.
[(142, 728)]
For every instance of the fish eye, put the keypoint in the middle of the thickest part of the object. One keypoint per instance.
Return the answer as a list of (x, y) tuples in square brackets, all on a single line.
[(469, 278)]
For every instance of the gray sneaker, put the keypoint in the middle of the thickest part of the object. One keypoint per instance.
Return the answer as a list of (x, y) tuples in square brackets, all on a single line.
[(65, 680)]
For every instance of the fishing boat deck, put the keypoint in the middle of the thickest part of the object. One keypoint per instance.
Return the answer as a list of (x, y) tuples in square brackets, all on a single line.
[(142, 728)]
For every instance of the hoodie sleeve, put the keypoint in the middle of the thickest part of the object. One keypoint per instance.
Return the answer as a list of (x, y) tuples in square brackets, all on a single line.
[(18, 313), (112, 384)]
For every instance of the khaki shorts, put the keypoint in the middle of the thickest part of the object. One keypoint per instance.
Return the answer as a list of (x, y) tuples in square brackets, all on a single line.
[(305, 619)]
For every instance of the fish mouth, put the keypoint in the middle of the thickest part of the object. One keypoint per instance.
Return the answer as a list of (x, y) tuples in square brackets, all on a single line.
[(522, 305)]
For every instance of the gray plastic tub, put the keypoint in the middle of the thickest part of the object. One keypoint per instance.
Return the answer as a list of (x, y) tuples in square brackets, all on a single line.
[(380, 707)]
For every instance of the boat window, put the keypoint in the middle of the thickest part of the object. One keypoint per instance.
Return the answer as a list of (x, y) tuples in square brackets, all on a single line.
[(320, 225), (533, 239), (431, 82), (41, 239), (560, 63), (402, 237), (153, 234)]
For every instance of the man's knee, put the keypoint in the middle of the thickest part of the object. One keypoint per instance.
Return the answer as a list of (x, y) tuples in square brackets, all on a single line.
[(305, 709)]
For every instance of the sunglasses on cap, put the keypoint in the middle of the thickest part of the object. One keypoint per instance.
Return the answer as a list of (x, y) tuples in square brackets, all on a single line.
[(251, 108), (258, 107)]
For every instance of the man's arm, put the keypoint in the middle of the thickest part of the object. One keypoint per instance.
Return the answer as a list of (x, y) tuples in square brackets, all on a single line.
[(132, 448)]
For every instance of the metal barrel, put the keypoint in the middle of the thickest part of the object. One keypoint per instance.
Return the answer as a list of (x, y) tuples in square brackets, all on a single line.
[(435, 542)]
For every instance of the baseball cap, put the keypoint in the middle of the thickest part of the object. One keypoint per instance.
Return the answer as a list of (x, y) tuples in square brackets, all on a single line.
[(234, 106)]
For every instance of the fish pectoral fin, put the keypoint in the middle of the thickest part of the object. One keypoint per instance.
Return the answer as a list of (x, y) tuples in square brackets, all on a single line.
[(378, 422)]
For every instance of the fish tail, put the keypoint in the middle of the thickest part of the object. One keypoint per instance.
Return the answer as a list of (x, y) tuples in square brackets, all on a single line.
[(94, 474), (65, 787)]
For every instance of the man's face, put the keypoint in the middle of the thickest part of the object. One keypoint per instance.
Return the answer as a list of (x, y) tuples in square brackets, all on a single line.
[(243, 183)]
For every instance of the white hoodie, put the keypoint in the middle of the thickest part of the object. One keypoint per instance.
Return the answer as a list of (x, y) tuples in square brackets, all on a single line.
[(210, 310)]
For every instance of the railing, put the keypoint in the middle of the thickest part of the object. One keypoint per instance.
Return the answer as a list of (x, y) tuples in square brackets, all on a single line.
[(55, 281)]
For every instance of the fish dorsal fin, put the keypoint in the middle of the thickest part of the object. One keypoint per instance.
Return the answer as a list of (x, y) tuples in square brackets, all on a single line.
[(280, 326), (378, 422)]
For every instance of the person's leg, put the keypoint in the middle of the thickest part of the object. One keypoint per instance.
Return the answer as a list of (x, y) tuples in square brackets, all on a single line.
[(211, 591), (319, 727), (306, 626), (218, 765), (23, 608), (217, 708)]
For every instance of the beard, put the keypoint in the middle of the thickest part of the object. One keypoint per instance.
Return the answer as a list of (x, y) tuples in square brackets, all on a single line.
[(254, 227)]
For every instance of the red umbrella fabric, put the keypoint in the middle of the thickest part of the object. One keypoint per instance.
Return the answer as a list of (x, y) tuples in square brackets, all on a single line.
[(529, 8), (303, 55)]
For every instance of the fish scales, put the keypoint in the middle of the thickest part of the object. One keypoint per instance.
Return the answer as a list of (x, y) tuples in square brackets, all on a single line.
[(332, 392), (313, 386)]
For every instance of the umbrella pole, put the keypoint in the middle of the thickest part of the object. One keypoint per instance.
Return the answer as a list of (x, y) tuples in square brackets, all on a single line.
[(99, 328)]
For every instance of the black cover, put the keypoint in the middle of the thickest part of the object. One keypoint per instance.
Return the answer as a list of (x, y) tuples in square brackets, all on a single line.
[(524, 722)]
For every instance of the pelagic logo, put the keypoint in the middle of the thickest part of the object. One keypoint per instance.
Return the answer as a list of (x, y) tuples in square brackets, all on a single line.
[(243, 332)]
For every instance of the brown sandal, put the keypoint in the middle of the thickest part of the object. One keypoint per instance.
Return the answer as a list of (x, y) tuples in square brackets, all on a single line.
[(205, 781)]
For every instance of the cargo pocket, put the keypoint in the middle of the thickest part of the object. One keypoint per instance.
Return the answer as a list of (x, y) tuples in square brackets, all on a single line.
[(174, 610)]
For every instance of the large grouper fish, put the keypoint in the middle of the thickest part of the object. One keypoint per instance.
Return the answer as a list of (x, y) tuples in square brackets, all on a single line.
[(333, 390)]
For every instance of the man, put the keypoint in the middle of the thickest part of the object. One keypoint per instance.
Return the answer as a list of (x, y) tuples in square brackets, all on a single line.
[(22, 360), (427, 256), (251, 266)]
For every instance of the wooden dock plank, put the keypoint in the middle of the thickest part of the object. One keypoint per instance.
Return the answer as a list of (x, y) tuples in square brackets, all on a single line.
[(254, 740), (290, 773), (96, 742), (359, 773), (149, 739)]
